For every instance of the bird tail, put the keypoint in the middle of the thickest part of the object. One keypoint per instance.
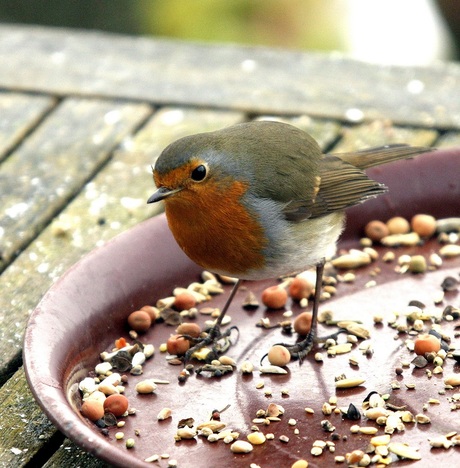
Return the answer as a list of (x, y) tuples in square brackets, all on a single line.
[(381, 155)]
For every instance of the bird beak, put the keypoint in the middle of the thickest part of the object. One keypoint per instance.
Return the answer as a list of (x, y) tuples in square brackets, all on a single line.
[(162, 193)]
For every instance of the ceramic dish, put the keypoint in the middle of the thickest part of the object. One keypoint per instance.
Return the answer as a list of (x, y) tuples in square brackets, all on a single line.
[(86, 310)]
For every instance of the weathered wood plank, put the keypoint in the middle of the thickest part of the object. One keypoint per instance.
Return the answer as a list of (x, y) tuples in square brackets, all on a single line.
[(24, 429), (52, 165), (19, 113), (70, 455), (325, 132), (253, 79), (112, 202), (379, 133)]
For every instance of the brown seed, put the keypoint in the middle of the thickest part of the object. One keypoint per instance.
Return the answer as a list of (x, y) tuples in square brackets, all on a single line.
[(274, 297), (302, 323), (424, 225), (92, 409), (279, 355), (152, 311), (116, 404), (189, 329), (184, 300), (139, 321), (375, 230), (300, 288)]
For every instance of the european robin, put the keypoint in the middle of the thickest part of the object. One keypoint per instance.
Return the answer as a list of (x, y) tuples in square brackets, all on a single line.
[(260, 200)]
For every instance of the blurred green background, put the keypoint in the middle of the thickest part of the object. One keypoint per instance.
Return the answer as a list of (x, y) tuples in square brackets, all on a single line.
[(387, 31)]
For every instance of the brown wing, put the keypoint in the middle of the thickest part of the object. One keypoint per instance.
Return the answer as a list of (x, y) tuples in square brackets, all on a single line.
[(340, 185)]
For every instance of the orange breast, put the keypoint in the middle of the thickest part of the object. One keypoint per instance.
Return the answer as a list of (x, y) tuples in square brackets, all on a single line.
[(215, 230)]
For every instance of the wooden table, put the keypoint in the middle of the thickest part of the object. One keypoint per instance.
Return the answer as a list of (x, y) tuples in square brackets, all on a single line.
[(83, 115)]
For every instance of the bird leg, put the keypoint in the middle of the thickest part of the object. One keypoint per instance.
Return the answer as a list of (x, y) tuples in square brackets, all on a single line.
[(302, 348), (214, 333)]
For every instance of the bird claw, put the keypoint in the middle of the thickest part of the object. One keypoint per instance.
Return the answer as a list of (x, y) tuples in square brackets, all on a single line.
[(219, 340), (302, 348)]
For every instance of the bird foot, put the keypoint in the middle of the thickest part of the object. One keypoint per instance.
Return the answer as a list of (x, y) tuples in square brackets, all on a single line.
[(218, 342), (300, 349)]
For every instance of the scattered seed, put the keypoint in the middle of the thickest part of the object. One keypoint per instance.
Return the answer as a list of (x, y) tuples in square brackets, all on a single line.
[(349, 382), (272, 370), (247, 367), (449, 250), (130, 443), (284, 438), (256, 438), (241, 446), (165, 413), (316, 451), (327, 426), (404, 451), (421, 418)]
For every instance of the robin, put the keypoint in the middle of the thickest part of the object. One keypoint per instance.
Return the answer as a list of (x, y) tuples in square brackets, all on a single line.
[(260, 200)]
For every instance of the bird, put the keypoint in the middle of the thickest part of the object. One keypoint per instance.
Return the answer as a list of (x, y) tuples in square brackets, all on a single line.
[(260, 200)]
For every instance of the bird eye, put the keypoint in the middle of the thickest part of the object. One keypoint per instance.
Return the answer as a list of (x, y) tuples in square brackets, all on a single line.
[(199, 173)]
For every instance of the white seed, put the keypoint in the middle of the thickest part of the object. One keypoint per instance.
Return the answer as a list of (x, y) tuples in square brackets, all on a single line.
[(355, 329), (319, 357), (421, 418), (166, 302), (440, 441), (97, 396), (136, 370), (326, 409), (351, 260), (404, 451), (449, 250), (452, 380), (215, 426), (435, 260), (407, 417), (374, 413), (138, 359), (381, 440), (227, 361), (165, 413), (247, 367), (316, 451), (186, 433), (393, 240), (354, 429), (388, 256), (145, 386), (107, 388), (102, 368), (260, 384), (368, 430), (256, 438), (350, 382), (241, 446), (149, 350), (319, 443), (152, 458), (87, 385), (341, 348), (272, 370)]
